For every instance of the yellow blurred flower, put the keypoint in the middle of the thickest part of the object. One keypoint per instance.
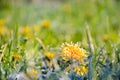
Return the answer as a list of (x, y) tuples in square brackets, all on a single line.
[(30, 35), (46, 23), (81, 70), (2, 22), (17, 56), (50, 55), (27, 32), (35, 77), (33, 73), (72, 51), (106, 38), (2, 30)]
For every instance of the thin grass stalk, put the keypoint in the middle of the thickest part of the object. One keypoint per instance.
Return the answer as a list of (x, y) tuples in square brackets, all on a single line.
[(91, 50), (3, 52)]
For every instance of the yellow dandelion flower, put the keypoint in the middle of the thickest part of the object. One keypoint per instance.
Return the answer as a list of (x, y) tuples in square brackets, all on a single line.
[(72, 51), (81, 70), (50, 55), (2, 22), (26, 30), (84, 70), (33, 73), (2, 30), (17, 56), (77, 70), (35, 77), (46, 23), (29, 35), (106, 38)]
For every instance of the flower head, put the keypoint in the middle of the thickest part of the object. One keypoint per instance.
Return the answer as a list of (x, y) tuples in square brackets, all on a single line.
[(72, 51), (106, 38), (46, 23), (50, 55), (2, 22), (33, 73), (27, 32), (80, 70), (17, 56), (2, 30)]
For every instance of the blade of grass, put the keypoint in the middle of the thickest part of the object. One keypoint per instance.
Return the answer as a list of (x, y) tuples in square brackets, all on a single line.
[(3, 52), (91, 50), (15, 36), (41, 43)]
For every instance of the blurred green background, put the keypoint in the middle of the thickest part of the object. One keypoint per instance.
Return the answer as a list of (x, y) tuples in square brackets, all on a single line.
[(69, 16)]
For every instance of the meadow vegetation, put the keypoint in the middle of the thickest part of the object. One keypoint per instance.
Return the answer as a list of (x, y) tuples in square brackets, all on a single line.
[(70, 40)]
